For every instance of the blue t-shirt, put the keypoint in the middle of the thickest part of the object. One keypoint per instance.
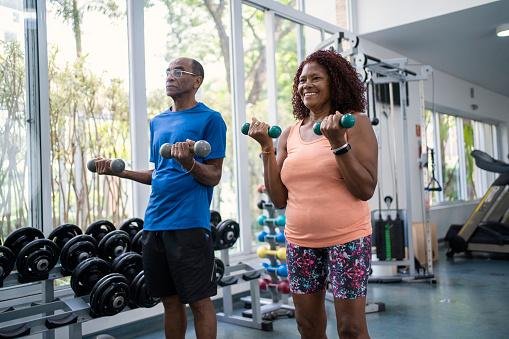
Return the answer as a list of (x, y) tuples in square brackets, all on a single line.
[(178, 200)]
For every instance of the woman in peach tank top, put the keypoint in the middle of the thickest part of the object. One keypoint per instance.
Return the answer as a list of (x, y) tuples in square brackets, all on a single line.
[(324, 182)]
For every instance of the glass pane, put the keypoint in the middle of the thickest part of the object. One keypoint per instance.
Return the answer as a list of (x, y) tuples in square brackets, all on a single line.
[(174, 29), (432, 172), (312, 38), (89, 115), (484, 140), (471, 170), (286, 66), (14, 169), (291, 3), (450, 158)]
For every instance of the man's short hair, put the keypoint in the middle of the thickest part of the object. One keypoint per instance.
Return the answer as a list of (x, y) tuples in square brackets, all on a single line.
[(198, 68)]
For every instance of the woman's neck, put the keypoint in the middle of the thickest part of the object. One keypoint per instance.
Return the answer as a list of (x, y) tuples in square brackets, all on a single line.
[(318, 115)]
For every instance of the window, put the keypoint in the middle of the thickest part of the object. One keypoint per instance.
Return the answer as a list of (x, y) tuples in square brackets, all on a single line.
[(89, 116), (448, 149), (14, 131), (174, 29), (454, 167)]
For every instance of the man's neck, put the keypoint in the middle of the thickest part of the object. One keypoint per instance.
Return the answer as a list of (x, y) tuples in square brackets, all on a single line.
[(180, 104)]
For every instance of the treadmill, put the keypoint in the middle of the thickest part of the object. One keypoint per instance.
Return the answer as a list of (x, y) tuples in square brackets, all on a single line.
[(487, 227)]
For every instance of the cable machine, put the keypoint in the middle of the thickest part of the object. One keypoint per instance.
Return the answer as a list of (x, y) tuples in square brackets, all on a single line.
[(394, 72)]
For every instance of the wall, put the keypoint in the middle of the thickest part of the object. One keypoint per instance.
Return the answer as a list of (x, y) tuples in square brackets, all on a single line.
[(449, 92), (375, 15)]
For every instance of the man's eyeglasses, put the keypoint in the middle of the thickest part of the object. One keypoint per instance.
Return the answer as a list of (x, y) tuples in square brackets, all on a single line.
[(177, 73)]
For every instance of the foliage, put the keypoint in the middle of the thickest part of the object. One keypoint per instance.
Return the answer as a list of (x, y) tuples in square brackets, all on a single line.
[(13, 145)]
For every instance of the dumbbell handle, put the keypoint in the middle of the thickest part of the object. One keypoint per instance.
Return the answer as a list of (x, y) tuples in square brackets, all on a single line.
[(116, 166), (346, 121), (272, 131), (201, 148)]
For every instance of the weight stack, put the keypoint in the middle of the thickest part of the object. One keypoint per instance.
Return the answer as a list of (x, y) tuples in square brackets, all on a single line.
[(389, 239)]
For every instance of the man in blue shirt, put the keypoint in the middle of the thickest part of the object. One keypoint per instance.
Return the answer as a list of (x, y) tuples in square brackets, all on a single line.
[(178, 253)]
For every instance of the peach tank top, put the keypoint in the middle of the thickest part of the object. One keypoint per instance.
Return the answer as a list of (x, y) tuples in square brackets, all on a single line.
[(320, 212)]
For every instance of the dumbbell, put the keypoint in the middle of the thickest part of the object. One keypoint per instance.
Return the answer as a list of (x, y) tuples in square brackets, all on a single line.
[(279, 221), (263, 252), (201, 148), (264, 284), (283, 287), (272, 131), (117, 166), (279, 237), (346, 121), (280, 270)]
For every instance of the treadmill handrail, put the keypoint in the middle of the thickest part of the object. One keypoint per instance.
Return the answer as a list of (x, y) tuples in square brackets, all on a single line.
[(484, 161)]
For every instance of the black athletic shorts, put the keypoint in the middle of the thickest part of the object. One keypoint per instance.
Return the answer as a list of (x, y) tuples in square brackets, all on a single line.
[(179, 263)]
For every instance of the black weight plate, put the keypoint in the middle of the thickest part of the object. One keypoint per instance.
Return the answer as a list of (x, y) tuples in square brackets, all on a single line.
[(218, 269), (36, 259), (21, 237), (136, 244), (109, 295), (215, 217), (228, 231), (87, 273), (100, 228), (76, 250), (133, 290), (64, 233), (138, 293), (7, 261), (128, 264), (114, 244), (132, 226)]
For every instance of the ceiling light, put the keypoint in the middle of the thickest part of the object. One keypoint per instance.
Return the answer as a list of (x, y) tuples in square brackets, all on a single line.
[(503, 30)]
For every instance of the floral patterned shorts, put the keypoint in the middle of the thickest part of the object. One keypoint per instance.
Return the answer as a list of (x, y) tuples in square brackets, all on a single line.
[(345, 267)]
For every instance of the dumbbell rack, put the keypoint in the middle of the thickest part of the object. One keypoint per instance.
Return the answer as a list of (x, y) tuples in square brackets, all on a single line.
[(43, 317), (71, 312), (278, 304), (231, 276)]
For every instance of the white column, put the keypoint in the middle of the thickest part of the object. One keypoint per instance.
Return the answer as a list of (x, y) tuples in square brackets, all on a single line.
[(138, 102), (239, 117)]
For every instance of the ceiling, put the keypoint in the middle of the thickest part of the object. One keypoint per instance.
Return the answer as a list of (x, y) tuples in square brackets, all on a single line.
[(462, 44)]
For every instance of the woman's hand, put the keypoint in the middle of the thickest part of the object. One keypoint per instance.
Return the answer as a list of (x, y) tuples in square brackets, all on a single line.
[(332, 130), (258, 130)]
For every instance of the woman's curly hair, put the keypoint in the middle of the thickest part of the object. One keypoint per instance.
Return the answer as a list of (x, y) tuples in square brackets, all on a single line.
[(346, 89)]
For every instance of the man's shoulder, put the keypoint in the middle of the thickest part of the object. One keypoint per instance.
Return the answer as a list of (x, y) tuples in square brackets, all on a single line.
[(202, 106), (160, 115)]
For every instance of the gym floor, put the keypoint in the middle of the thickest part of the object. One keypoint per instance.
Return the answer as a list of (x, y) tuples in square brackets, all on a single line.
[(470, 301)]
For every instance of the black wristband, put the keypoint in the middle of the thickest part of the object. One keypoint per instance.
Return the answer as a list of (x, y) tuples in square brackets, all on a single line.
[(342, 150)]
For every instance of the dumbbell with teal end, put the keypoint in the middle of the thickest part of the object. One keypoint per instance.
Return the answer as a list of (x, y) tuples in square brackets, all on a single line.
[(281, 220), (262, 219), (201, 148), (273, 131), (116, 165), (346, 121)]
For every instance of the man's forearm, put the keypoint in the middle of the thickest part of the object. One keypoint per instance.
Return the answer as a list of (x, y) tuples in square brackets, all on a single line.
[(208, 173), (144, 177)]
